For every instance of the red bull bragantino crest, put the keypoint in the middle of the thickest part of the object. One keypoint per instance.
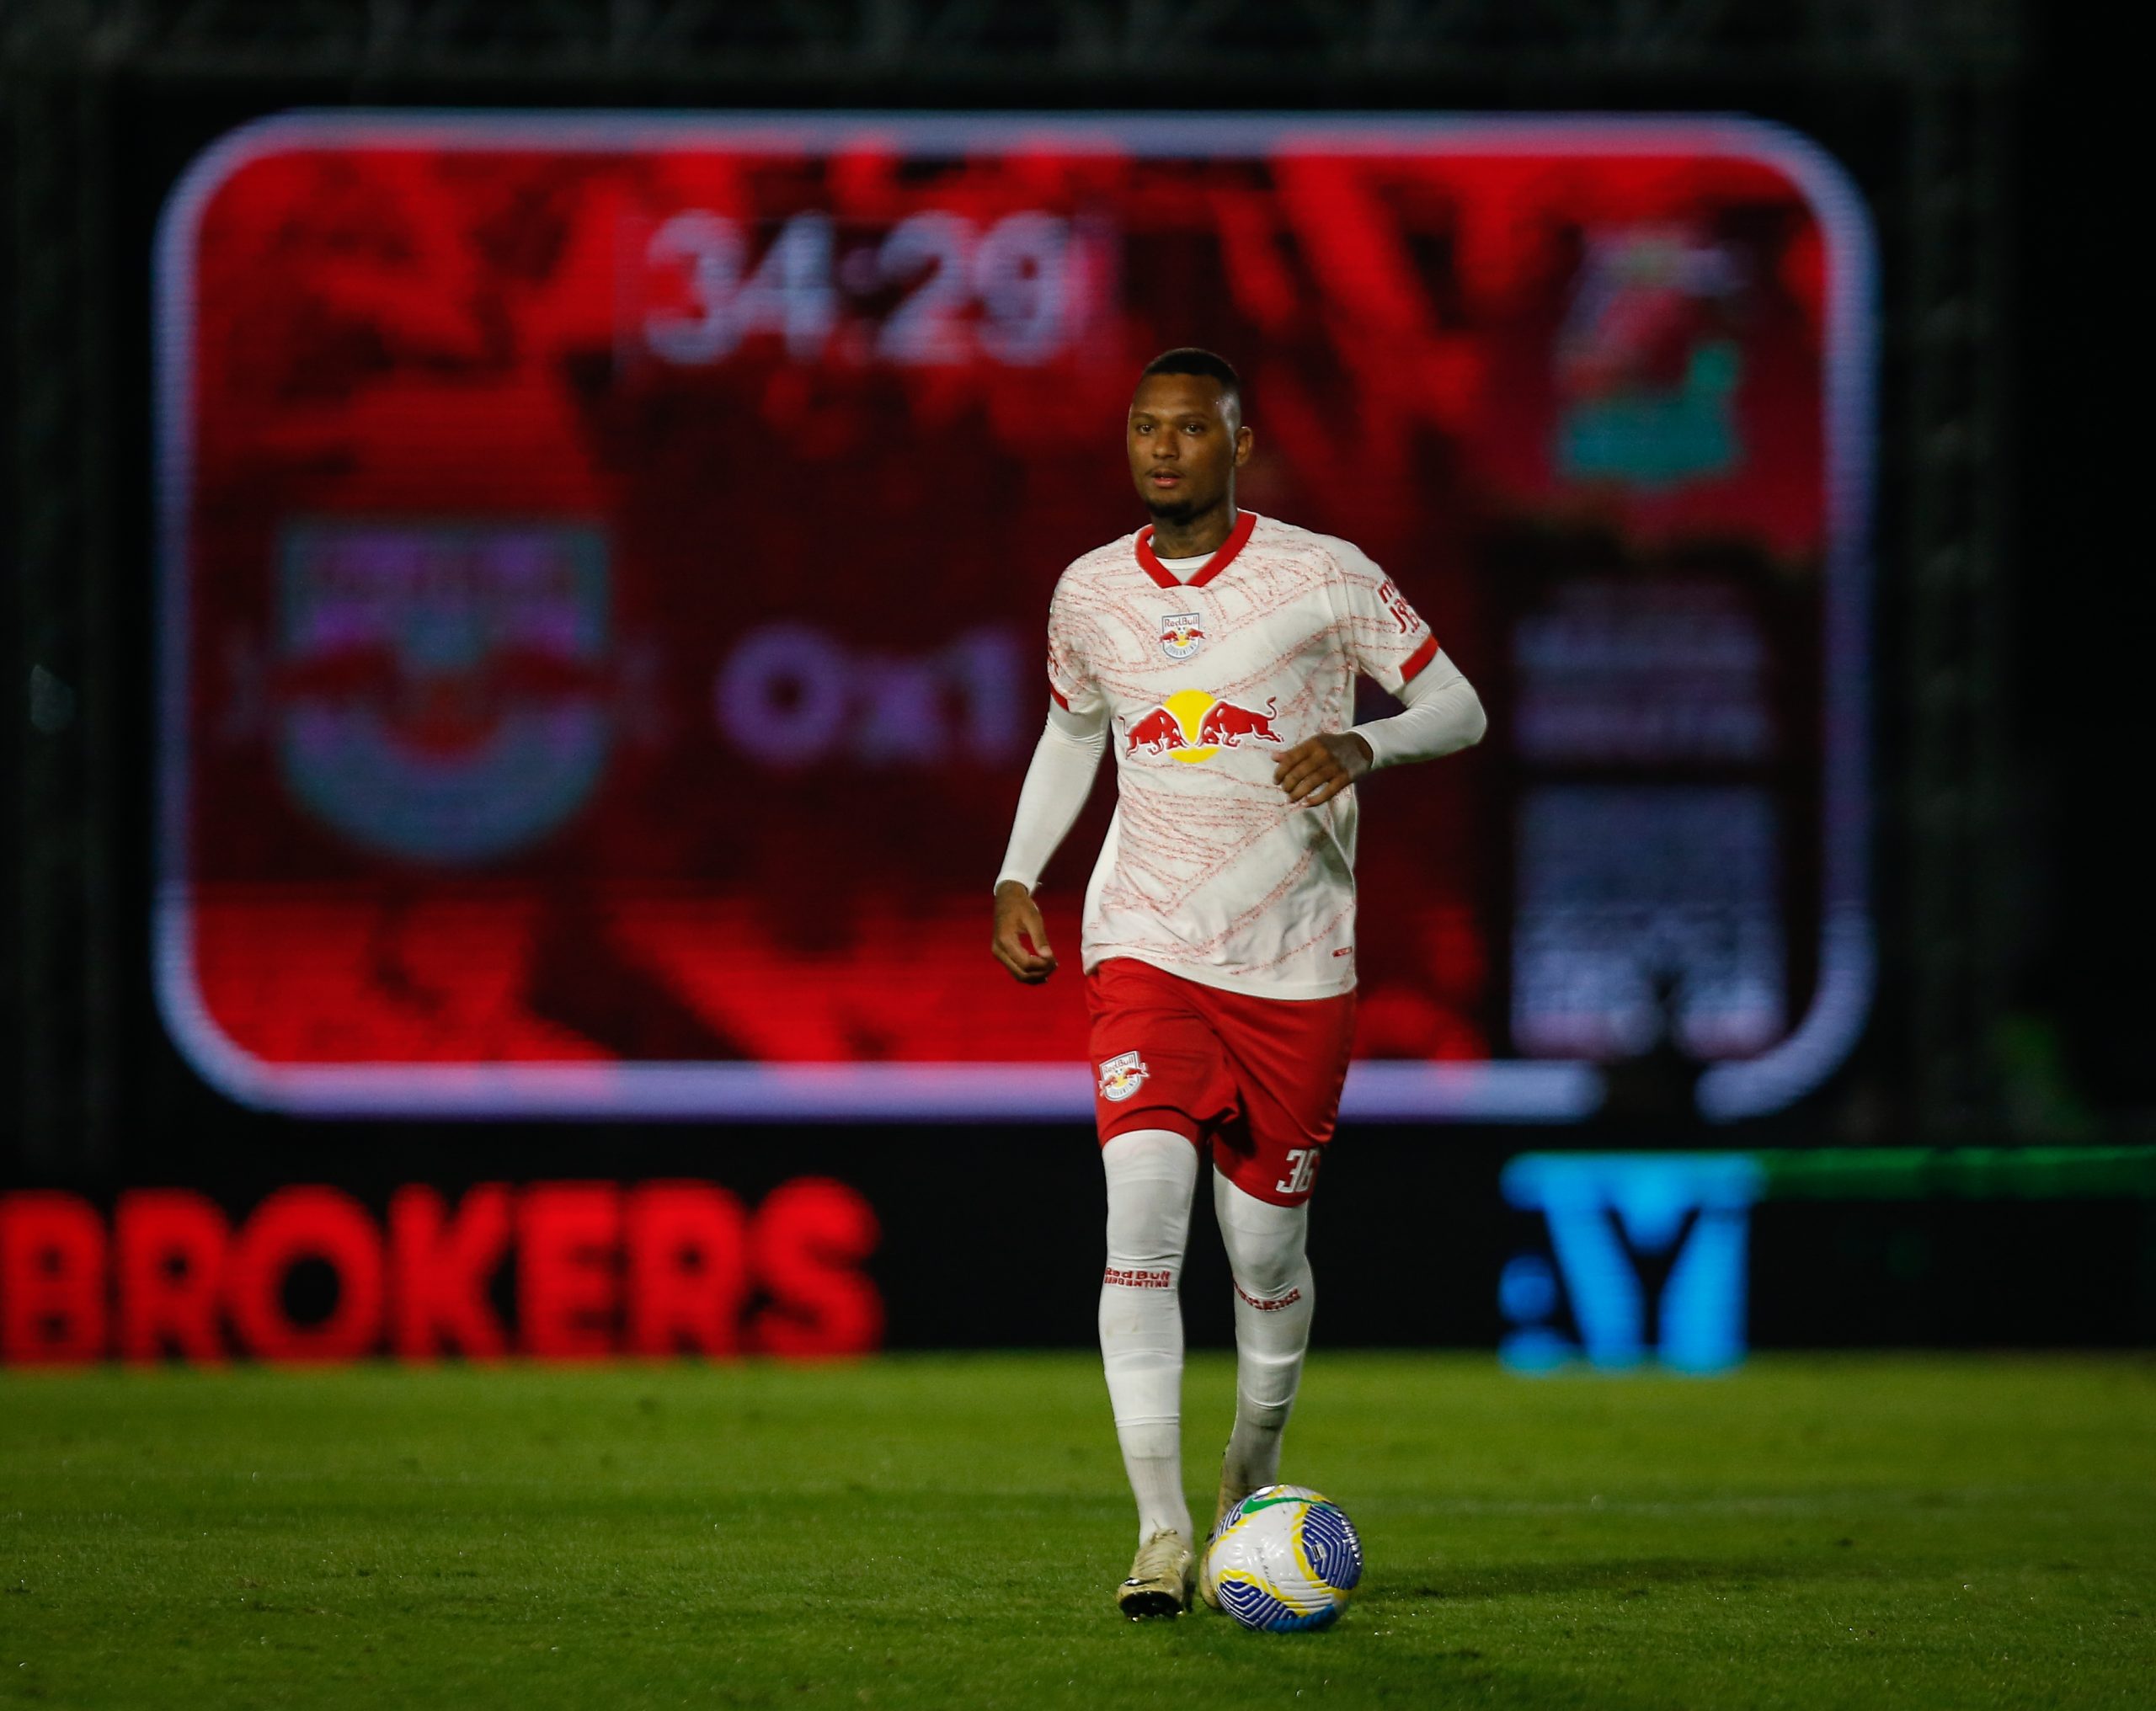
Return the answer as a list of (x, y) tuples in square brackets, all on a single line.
[(1192, 725), (1181, 634), (441, 688), (1123, 1076)]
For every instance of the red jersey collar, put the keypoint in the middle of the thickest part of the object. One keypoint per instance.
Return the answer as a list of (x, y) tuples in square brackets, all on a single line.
[(1238, 538)]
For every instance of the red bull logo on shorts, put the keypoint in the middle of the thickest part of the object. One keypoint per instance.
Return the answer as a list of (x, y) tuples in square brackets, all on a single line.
[(1123, 1076), (1191, 726)]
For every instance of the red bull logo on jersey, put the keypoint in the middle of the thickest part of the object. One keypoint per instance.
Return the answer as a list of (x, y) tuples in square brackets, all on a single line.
[(1181, 634), (1226, 725), (1123, 1076), (1158, 732), (1192, 725)]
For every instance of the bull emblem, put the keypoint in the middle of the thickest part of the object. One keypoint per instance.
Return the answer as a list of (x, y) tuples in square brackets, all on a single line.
[(1225, 724), (1156, 732)]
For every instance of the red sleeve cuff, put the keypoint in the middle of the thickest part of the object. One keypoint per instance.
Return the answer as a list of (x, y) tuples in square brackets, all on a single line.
[(1416, 660)]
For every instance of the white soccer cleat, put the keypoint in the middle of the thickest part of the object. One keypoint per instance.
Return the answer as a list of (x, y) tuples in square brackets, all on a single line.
[(1160, 1578)]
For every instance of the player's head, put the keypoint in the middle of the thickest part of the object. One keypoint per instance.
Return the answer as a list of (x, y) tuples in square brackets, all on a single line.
[(1186, 435)]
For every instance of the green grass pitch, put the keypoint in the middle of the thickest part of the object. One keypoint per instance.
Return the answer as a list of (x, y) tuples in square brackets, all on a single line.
[(945, 1532)]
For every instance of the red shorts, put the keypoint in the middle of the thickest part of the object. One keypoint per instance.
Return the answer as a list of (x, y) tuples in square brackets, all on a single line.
[(1256, 1079)]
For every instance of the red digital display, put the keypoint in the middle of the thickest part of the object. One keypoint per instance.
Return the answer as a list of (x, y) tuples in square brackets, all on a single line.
[(606, 562)]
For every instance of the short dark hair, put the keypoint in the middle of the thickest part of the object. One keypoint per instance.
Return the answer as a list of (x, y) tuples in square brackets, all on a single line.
[(1188, 358)]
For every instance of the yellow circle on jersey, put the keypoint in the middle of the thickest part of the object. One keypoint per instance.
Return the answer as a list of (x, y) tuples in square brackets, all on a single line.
[(1190, 706)]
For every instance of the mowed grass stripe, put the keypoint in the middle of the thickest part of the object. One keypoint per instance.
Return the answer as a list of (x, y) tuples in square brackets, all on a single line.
[(1925, 1530)]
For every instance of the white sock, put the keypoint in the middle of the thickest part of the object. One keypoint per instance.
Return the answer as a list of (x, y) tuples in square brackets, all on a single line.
[(1150, 1174), (1273, 1303)]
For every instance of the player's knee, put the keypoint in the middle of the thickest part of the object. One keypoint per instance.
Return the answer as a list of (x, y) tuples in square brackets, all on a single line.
[(1268, 1261), (1150, 1174), (1144, 1261), (1265, 1245), (1271, 1283), (1145, 1233)]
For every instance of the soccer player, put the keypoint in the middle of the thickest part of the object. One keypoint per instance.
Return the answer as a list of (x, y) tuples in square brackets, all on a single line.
[(1217, 650)]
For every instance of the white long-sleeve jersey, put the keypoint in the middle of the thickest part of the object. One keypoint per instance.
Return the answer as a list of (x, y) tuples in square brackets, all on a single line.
[(1208, 872)]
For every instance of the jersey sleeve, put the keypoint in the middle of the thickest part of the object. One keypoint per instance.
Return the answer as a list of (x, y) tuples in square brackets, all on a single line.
[(1070, 678), (1391, 643)]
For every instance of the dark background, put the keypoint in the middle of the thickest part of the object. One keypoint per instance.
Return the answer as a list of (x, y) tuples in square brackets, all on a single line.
[(2014, 1005)]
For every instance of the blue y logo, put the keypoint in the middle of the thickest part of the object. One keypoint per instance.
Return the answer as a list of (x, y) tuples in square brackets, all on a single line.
[(1650, 1253)]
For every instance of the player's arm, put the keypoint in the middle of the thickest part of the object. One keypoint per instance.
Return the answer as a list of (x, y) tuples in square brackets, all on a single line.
[(1392, 646), (1440, 714), (1057, 785)]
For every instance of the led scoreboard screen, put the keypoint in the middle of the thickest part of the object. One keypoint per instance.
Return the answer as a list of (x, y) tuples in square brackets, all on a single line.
[(604, 561)]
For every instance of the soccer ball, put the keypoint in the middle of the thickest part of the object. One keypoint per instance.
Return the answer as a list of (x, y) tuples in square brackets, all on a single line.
[(1285, 1560)]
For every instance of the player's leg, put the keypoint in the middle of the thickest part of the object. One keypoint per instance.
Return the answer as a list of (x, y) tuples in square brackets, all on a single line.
[(1150, 1174), (1162, 1080), (1274, 1301), (1289, 1059)]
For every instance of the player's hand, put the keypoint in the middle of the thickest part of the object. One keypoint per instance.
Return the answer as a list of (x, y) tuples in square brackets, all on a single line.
[(1021, 940), (1318, 769)]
